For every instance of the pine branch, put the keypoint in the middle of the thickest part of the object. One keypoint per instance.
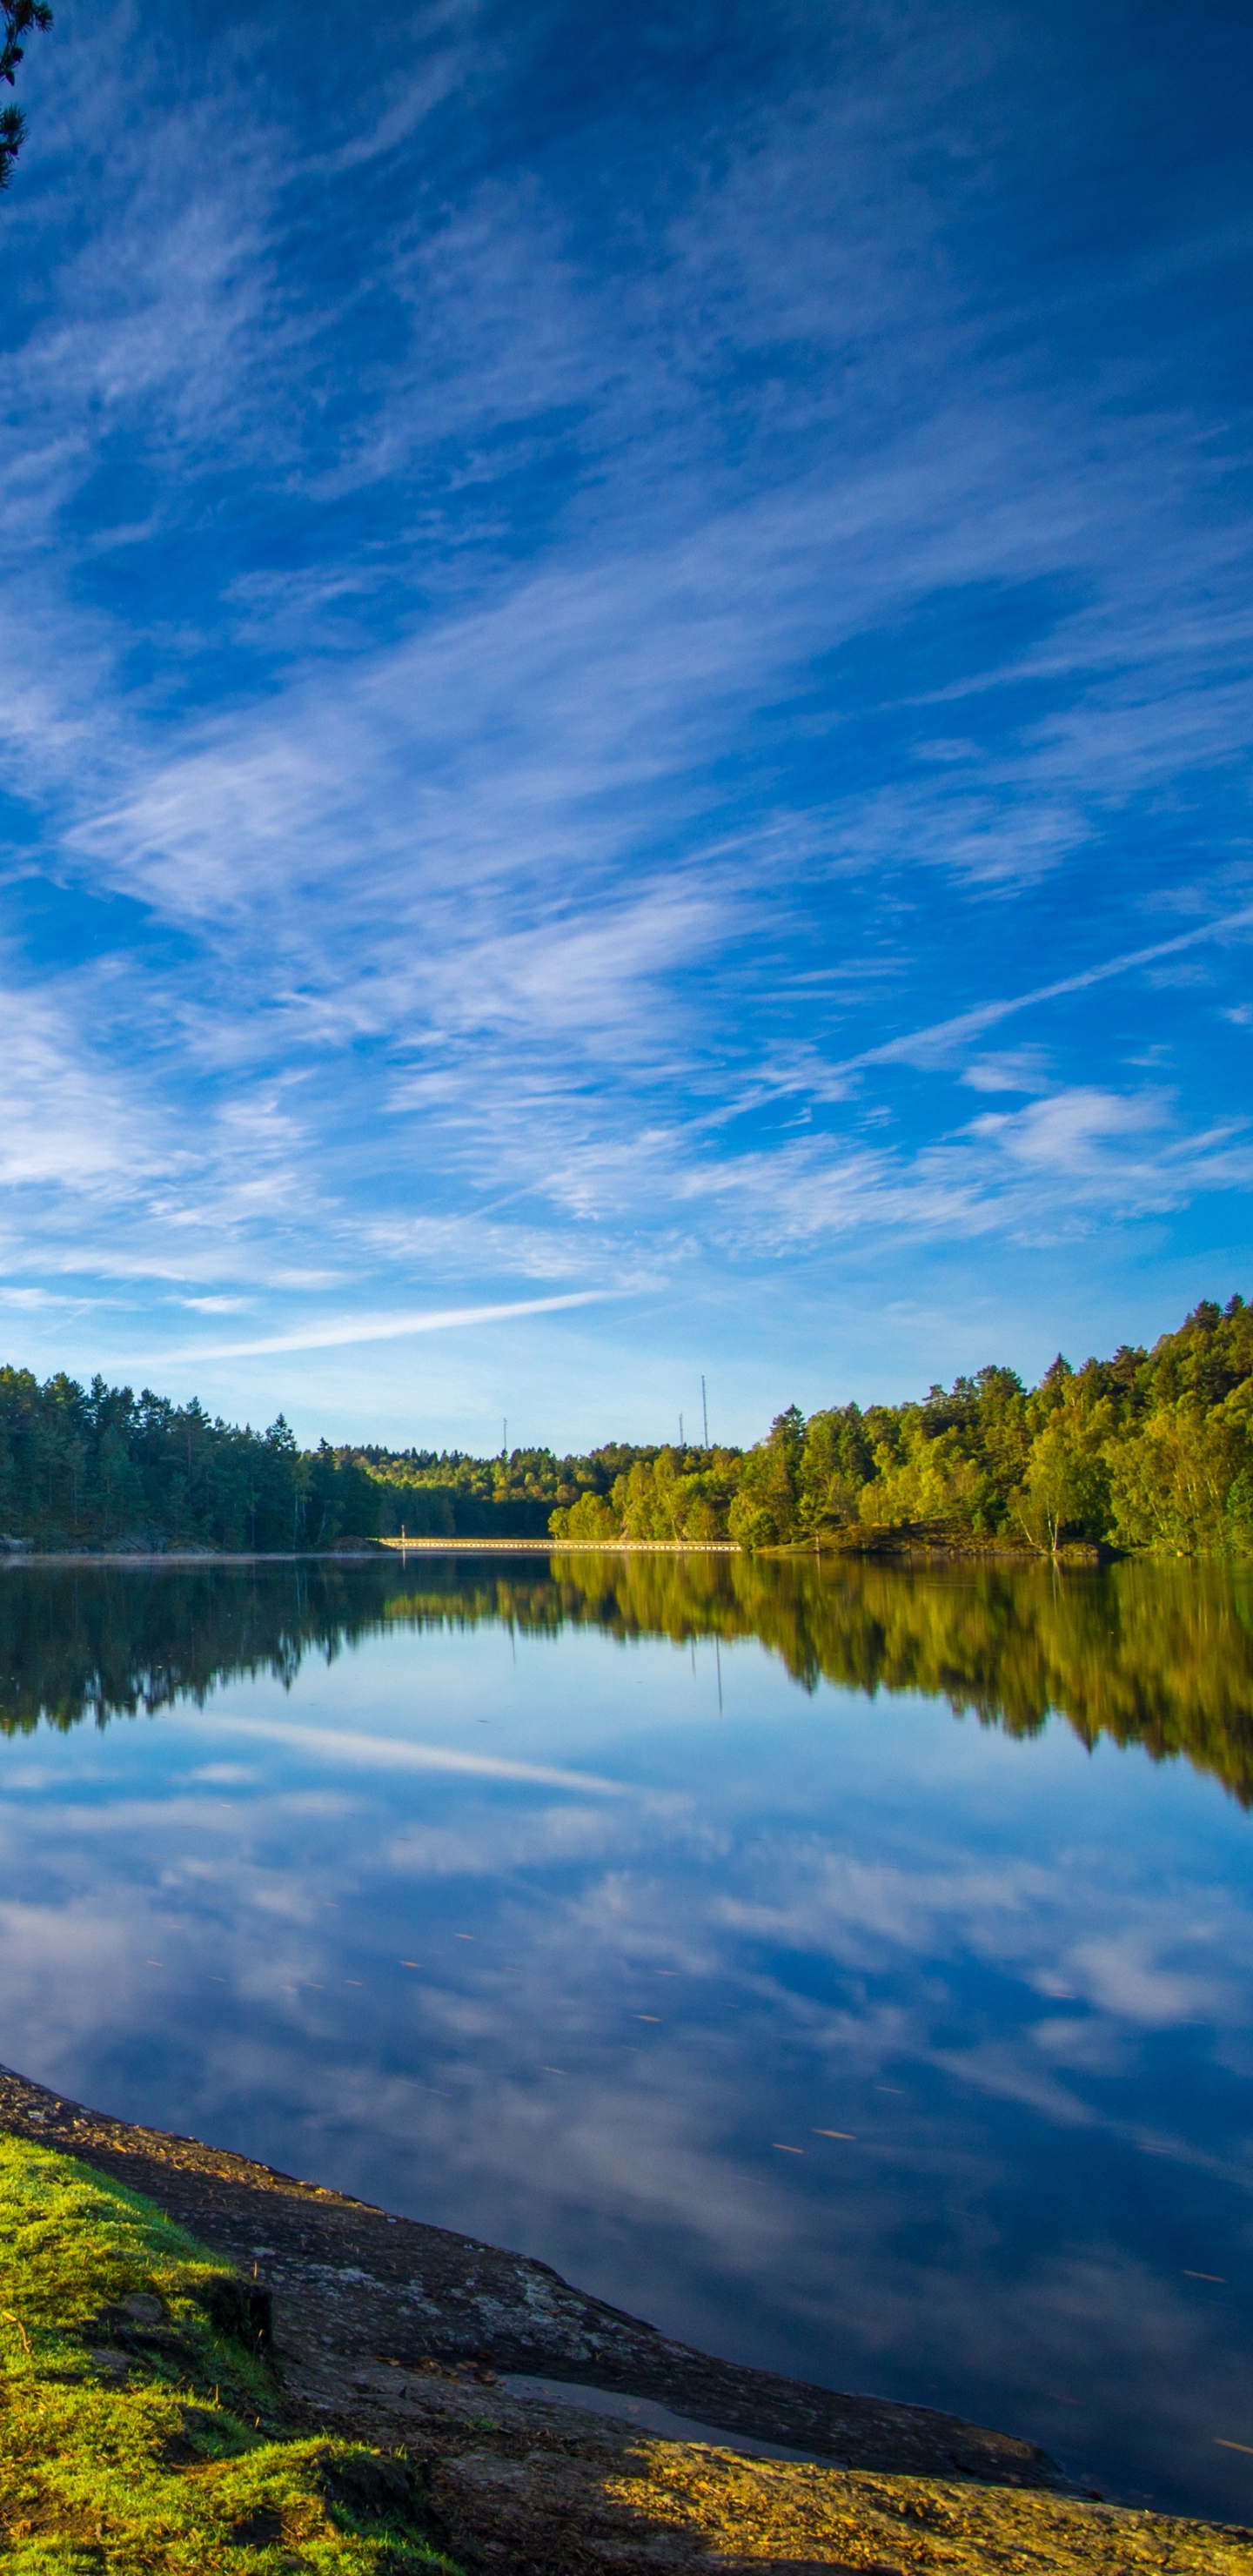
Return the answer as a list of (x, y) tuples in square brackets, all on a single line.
[(12, 128), (18, 17)]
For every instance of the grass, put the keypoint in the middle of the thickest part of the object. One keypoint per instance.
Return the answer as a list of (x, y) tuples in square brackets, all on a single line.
[(139, 2421)]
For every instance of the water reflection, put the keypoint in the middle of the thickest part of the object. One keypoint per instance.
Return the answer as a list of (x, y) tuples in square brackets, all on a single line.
[(536, 1898), (1155, 1655)]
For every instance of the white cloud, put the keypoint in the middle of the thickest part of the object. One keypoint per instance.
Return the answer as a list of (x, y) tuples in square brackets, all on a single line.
[(336, 1334), (1019, 1069), (487, 868)]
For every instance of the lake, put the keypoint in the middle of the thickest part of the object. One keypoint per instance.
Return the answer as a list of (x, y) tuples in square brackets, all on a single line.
[(848, 1969)]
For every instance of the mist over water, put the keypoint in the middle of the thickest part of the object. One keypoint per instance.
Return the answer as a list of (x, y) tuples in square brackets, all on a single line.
[(846, 1968)]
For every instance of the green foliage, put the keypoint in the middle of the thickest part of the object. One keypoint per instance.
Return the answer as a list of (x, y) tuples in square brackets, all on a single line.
[(591, 1517), (18, 19), (524, 1493), (136, 2433), (1066, 1488), (1152, 1449), (100, 1467)]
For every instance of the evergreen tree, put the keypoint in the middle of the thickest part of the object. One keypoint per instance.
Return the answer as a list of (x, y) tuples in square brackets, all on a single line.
[(19, 16)]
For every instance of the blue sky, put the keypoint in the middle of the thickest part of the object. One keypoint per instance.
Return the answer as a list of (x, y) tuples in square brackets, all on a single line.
[(627, 700)]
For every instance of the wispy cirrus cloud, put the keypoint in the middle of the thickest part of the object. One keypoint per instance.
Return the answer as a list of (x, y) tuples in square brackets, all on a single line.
[(333, 1334), (526, 696)]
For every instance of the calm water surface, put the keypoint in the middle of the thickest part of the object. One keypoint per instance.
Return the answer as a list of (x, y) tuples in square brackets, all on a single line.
[(849, 1970)]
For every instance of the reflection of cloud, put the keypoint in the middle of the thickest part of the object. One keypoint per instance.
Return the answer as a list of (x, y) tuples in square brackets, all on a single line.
[(105, 1819), (487, 1845), (834, 1900), (1121, 1976), (394, 1753), (830, 1959), (1084, 2043), (1007, 2069)]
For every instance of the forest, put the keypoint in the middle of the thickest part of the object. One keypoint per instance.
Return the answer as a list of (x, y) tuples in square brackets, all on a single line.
[(1148, 1451)]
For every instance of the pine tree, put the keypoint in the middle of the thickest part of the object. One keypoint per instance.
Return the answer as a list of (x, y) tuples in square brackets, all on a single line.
[(19, 17)]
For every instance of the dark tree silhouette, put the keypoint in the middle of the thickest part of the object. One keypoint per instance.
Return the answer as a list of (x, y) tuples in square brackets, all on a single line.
[(19, 17)]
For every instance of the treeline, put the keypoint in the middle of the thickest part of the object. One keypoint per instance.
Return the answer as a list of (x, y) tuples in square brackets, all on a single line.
[(1152, 1449), (103, 1468), (445, 1494), (100, 1467), (1147, 1450)]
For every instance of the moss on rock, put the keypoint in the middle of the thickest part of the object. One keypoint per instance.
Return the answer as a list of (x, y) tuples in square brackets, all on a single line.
[(752, 2513), (140, 2425)]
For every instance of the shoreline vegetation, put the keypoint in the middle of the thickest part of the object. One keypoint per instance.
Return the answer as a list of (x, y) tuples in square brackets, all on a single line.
[(144, 2423), (1150, 1451)]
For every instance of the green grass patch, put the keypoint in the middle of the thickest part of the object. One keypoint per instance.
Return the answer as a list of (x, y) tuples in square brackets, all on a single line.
[(140, 2424)]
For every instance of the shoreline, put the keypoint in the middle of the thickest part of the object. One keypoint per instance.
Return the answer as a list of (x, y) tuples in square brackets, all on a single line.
[(878, 1547), (507, 2421), (179, 1556), (563, 1546), (350, 2282), (370, 1553)]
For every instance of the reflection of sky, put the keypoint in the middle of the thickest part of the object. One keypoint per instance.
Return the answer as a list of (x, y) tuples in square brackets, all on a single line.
[(661, 1953)]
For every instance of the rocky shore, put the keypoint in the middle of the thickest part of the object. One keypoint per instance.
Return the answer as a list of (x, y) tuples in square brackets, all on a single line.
[(352, 2285), (545, 2431)]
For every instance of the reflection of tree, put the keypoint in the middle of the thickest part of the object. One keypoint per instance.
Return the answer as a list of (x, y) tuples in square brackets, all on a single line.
[(1147, 1654), (107, 1643), (1157, 1655)]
